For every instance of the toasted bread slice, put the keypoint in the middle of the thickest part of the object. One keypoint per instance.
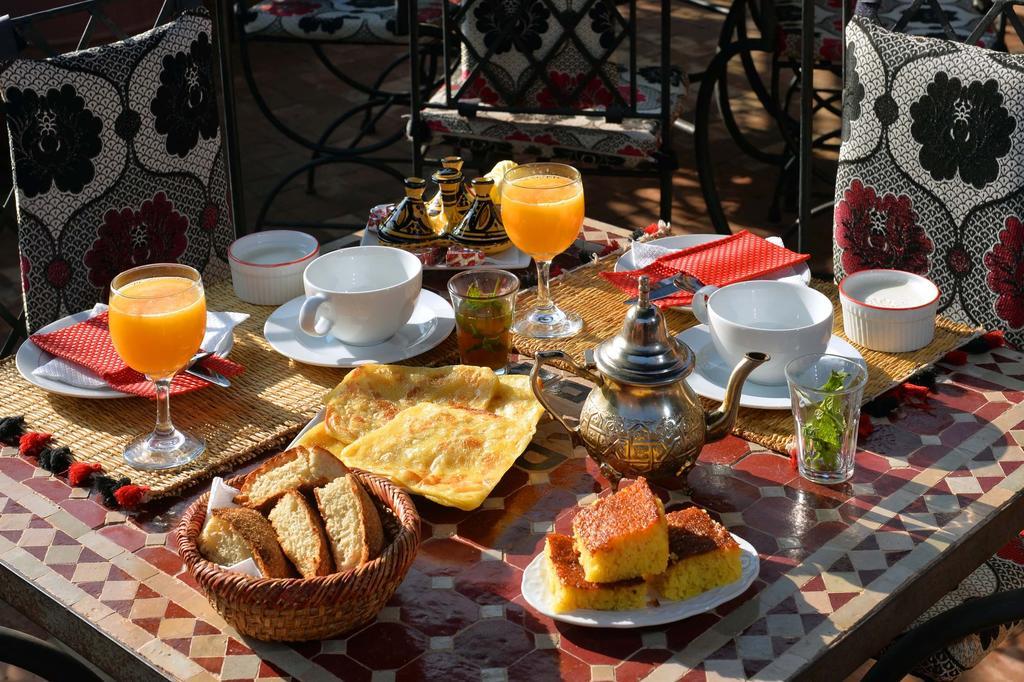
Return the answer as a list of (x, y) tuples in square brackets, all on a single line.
[(352, 522), (300, 468), (301, 535), (233, 535)]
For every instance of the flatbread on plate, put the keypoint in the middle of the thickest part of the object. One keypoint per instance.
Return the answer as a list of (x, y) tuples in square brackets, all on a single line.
[(370, 396), (451, 455)]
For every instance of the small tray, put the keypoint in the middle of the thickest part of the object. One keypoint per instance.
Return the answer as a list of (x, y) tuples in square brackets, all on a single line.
[(510, 259)]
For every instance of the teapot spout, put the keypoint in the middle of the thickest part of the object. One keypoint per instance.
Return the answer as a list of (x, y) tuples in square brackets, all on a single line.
[(720, 422)]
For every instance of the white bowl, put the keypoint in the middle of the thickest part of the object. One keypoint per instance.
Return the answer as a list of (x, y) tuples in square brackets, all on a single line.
[(889, 310), (267, 267)]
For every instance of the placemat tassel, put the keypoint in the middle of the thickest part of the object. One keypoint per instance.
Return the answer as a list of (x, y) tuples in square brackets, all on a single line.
[(11, 429), (33, 442), (79, 473), (55, 459)]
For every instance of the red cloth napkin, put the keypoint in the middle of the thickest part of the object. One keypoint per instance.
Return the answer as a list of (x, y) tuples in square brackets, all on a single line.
[(88, 344), (736, 258)]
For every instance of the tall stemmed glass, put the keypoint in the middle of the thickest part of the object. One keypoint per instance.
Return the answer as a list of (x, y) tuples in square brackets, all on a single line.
[(157, 322), (542, 209)]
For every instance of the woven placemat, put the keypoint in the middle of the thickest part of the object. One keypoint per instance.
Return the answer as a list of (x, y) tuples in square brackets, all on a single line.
[(601, 305), (264, 408)]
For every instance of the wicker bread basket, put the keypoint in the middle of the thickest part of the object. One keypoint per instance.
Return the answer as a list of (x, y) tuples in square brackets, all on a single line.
[(298, 609)]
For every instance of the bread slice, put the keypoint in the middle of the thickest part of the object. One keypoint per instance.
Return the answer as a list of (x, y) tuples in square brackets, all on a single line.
[(352, 522), (233, 535), (299, 468), (622, 536), (301, 535), (569, 590)]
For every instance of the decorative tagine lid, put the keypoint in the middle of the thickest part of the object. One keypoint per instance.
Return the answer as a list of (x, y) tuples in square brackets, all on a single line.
[(643, 353)]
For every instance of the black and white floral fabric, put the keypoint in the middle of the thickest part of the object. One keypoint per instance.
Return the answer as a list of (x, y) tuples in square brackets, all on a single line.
[(348, 21), (118, 161), (931, 170)]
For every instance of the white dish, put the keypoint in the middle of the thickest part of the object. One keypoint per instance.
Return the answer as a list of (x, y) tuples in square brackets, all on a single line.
[(711, 374), (889, 310), (267, 267), (432, 321), (799, 273), (510, 259), (30, 357), (536, 594)]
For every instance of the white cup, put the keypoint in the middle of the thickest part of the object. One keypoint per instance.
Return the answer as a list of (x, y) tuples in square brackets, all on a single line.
[(783, 319), (361, 295)]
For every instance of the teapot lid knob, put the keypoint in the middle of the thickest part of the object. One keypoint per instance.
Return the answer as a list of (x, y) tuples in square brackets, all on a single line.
[(644, 291)]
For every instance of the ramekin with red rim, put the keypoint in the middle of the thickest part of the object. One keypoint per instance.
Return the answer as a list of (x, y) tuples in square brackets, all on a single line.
[(266, 267), (889, 310)]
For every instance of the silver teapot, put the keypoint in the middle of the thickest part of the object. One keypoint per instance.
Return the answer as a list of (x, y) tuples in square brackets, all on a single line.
[(642, 418)]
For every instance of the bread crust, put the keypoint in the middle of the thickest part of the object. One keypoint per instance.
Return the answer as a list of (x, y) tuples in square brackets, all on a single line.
[(313, 528), (371, 532), (259, 535), (249, 497)]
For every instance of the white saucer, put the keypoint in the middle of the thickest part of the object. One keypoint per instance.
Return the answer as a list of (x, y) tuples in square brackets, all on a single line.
[(535, 591), (799, 273), (509, 259), (711, 374), (431, 323), (30, 357)]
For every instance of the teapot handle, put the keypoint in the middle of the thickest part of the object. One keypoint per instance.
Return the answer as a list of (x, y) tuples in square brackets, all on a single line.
[(537, 384)]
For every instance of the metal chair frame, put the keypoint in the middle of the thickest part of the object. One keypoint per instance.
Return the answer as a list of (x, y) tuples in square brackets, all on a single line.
[(42, 658), (377, 104), (21, 33), (453, 39)]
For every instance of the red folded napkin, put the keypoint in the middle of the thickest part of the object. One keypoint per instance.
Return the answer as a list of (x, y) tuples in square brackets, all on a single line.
[(736, 258), (88, 344)]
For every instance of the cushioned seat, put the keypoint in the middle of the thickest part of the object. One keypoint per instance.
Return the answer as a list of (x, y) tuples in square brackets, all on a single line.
[(828, 22), (583, 139), (350, 21)]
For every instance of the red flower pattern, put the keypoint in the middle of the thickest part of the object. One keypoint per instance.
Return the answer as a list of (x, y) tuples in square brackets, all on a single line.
[(26, 267), (880, 232), (153, 233), (1005, 263), (289, 8), (58, 273), (594, 94)]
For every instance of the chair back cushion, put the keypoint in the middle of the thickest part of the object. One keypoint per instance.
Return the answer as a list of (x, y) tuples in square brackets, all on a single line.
[(118, 162), (536, 65), (931, 170)]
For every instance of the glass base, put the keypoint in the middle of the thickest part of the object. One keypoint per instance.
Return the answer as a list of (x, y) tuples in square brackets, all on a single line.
[(158, 451), (548, 323), (826, 477)]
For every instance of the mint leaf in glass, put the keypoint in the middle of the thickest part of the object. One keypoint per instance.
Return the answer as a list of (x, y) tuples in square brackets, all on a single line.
[(823, 434)]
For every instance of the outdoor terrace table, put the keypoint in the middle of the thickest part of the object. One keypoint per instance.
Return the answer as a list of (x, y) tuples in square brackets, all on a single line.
[(843, 570)]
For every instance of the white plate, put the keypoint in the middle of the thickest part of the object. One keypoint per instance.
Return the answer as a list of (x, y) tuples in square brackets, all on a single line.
[(431, 323), (535, 592), (30, 357), (710, 375), (509, 259), (799, 273)]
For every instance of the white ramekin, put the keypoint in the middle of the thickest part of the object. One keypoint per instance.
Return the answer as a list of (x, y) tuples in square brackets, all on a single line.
[(891, 329), (279, 280)]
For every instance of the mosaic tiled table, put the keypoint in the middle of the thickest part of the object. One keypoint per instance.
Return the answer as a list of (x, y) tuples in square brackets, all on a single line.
[(842, 569)]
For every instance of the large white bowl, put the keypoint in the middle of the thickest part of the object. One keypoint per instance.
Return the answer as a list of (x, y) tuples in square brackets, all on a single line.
[(267, 267), (904, 322)]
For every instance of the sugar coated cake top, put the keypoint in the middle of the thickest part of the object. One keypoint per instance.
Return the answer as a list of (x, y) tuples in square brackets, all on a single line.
[(692, 531), (631, 510)]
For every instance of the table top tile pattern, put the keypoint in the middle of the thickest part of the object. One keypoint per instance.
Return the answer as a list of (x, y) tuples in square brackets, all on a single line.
[(829, 555)]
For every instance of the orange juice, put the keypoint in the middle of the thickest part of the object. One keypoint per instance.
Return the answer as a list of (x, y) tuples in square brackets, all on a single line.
[(157, 324), (542, 214)]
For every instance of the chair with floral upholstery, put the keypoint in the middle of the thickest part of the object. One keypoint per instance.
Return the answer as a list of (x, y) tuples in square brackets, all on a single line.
[(930, 181), (553, 80), (118, 156)]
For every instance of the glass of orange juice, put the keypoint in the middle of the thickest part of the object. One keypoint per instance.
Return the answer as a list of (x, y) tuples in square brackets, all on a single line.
[(542, 209), (157, 320)]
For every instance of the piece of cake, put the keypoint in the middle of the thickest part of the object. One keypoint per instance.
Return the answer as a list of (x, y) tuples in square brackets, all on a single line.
[(237, 534), (622, 536), (301, 534), (300, 468), (703, 555), (353, 526), (570, 590)]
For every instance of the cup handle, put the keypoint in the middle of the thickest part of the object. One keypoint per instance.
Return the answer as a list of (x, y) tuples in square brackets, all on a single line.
[(699, 305), (308, 321)]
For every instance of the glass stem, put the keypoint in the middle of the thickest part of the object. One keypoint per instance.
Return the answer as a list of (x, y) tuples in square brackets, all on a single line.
[(543, 277), (164, 427)]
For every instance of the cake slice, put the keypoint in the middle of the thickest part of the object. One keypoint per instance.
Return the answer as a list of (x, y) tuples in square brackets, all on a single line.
[(703, 555), (237, 534), (354, 531), (569, 590), (299, 468), (301, 535), (622, 536)]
